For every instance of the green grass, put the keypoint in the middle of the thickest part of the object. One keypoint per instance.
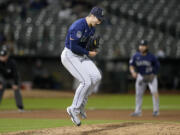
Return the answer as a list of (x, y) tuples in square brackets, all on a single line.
[(128, 101), (116, 101), (12, 125), (96, 102), (9, 125)]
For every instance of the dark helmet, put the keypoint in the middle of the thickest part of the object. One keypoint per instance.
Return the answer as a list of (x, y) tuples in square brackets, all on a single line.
[(143, 42)]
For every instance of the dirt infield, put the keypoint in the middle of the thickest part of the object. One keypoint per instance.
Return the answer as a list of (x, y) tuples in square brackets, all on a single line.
[(129, 128), (166, 115), (173, 116), (37, 93)]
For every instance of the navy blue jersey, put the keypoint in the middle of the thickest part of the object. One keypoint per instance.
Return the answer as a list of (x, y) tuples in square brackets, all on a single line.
[(78, 35), (145, 65)]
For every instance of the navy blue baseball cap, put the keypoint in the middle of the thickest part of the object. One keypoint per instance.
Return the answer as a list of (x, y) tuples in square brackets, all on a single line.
[(143, 42), (98, 12)]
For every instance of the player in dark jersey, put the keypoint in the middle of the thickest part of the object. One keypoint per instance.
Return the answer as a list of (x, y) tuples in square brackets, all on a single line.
[(9, 74), (144, 67), (75, 58)]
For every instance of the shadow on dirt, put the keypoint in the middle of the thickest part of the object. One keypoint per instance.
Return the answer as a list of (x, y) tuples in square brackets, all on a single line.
[(109, 127)]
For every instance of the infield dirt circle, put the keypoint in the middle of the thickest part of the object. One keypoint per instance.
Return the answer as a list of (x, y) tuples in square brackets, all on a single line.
[(166, 124)]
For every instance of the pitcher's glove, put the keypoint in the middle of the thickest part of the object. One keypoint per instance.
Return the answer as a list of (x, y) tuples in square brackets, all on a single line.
[(148, 78), (93, 43)]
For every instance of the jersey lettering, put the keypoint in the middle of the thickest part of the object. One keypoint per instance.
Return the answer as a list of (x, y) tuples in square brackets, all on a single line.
[(143, 63)]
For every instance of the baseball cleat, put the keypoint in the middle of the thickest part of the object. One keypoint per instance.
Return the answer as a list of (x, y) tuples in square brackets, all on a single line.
[(21, 110), (74, 117), (155, 113), (136, 114), (83, 114)]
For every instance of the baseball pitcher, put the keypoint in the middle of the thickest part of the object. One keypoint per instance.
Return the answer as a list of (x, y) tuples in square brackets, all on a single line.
[(144, 68), (81, 43)]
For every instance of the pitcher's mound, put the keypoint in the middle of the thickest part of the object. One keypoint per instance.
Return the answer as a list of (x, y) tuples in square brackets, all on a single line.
[(128, 128)]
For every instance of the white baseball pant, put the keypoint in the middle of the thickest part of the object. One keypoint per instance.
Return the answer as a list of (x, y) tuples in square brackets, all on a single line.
[(141, 87), (85, 71)]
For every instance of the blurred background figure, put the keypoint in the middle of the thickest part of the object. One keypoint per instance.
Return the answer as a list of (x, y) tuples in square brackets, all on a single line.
[(144, 67), (160, 53), (9, 76), (41, 76)]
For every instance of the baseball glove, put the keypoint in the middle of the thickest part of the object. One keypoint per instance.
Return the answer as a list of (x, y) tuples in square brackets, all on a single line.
[(93, 43), (148, 78)]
